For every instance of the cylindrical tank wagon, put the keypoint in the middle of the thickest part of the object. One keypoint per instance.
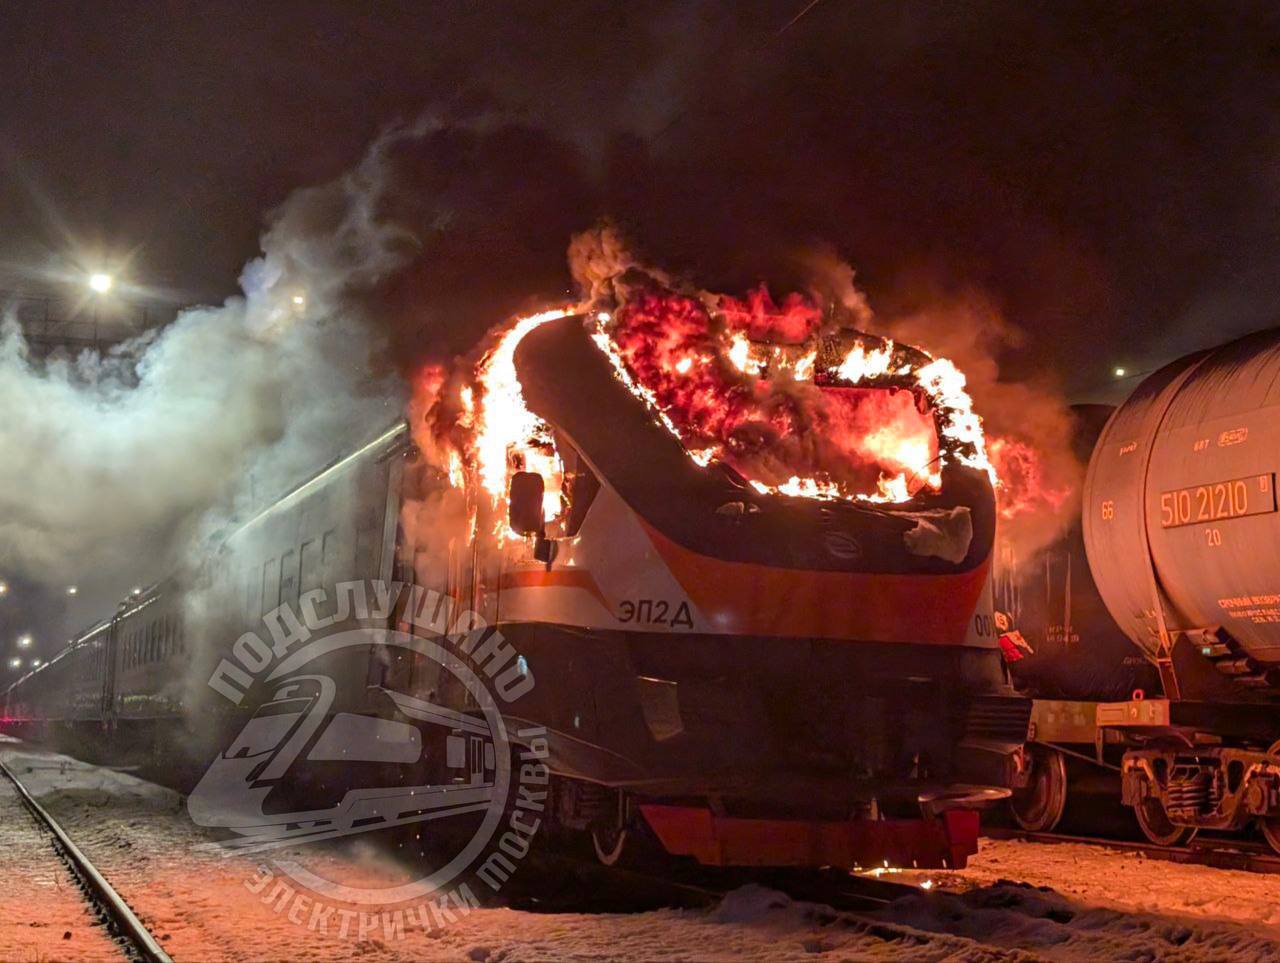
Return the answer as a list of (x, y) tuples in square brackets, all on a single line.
[(1180, 519), (1182, 534)]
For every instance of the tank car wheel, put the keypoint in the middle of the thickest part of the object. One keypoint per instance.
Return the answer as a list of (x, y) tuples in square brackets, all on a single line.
[(1156, 824), (1270, 826), (1038, 808)]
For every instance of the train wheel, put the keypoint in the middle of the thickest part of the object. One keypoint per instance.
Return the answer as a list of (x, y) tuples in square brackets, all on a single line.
[(1038, 808), (1271, 832), (610, 844), (1270, 826), (1156, 824), (623, 839)]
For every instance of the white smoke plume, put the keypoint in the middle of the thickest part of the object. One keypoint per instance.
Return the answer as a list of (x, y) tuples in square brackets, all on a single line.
[(113, 466)]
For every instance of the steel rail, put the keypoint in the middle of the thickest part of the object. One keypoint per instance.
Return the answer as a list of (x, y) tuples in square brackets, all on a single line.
[(111, 903), (1213, 852)]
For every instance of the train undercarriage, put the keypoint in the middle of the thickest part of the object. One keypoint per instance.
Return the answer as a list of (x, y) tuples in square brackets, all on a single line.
[(1182, 767)]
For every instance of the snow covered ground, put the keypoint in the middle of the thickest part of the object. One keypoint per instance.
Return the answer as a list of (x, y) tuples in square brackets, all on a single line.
[(42, 914), (1069, 903)]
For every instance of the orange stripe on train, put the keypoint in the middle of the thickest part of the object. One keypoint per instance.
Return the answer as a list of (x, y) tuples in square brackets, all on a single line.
[(750, 599)]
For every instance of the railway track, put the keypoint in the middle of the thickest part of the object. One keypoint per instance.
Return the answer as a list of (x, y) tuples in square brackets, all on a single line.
[(1220, 853), (136, 940)]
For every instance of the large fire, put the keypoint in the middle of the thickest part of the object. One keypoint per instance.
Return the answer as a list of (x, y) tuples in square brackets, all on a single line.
[(794, 405), (1023, 487), (773, 410)]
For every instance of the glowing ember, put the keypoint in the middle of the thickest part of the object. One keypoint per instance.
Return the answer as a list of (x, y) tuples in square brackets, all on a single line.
[(760, 318)]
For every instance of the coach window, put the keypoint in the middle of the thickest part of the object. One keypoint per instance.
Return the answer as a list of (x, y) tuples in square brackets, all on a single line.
[(270, 585), (250, 599), (288, 578), (309, 567)]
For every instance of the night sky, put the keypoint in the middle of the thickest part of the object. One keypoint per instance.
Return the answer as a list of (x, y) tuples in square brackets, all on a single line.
[(1107, 173), (1104, 174)]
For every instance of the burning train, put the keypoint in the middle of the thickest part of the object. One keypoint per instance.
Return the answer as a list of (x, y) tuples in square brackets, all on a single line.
[(740, 555), (1156, 618)]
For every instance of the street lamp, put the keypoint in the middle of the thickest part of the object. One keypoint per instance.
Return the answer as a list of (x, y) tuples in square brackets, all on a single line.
[(24, 641), (72, 590), (4, 589), (15, 663), (100, 283)]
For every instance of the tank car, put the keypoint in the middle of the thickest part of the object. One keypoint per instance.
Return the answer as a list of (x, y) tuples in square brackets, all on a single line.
[(1181, 530)]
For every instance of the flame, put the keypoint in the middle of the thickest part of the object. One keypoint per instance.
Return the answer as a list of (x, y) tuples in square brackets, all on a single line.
[(734, 403), (740, 355), (1022, 487), (805, 415), (508, 436), (860, 364)]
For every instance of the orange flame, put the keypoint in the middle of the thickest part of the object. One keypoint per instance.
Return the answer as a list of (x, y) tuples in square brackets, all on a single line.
[(869, 423), (1022, 487)]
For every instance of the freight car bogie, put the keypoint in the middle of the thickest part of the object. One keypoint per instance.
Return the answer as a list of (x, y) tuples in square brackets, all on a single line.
[(1177, 791), (1183, 767)]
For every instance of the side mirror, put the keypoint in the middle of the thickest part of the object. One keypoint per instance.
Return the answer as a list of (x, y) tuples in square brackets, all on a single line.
[(524, 502)]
